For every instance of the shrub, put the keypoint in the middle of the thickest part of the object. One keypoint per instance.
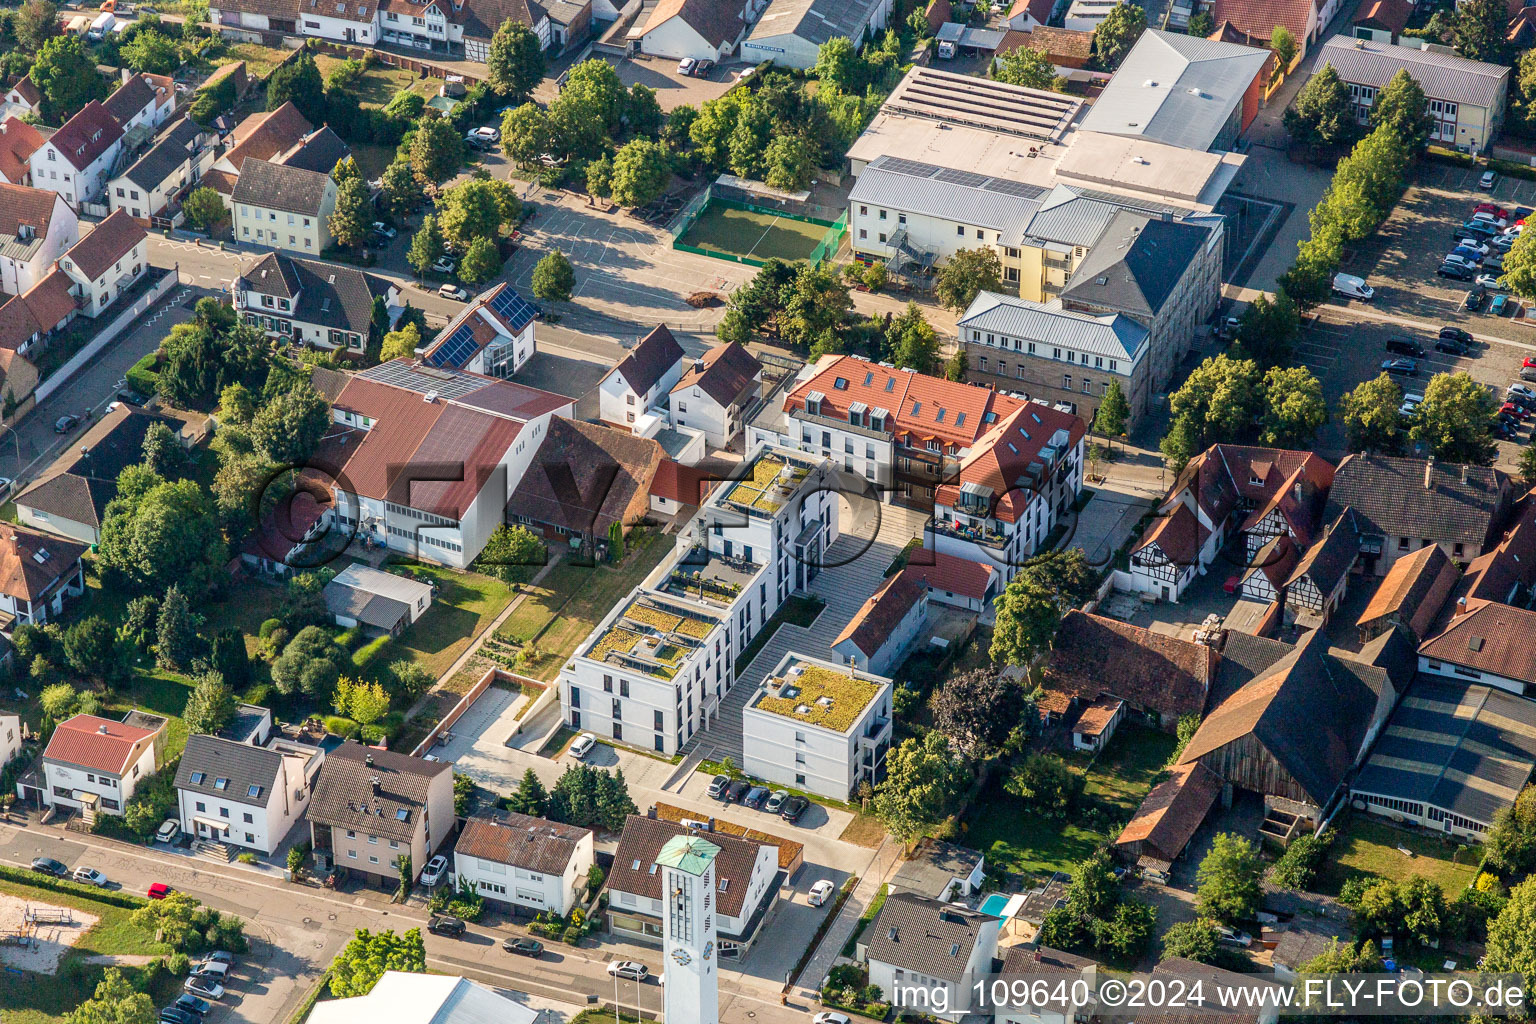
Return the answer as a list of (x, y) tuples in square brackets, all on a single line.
[(64, 885), (343, 727), (370, 650), (143, 377), (269, 627), (246, 857), (1298, 865), (179, 964)]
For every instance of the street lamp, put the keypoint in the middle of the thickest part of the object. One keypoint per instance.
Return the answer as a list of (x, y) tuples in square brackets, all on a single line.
[(17, 438)]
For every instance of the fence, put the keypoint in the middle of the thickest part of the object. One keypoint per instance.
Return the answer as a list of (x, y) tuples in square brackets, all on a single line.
[(107, 335), (725, 195), (455, 713)]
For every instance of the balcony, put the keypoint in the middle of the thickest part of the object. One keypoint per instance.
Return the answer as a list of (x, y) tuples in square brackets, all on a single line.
[(971, 534)]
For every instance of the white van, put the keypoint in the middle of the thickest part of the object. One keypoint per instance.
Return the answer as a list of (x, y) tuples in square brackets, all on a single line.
[(1352, 287)]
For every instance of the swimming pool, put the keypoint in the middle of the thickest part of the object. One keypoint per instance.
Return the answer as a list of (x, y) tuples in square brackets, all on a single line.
[(994, 904)]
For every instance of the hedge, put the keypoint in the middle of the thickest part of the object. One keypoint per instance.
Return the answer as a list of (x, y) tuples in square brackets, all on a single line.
[(142, 376), (364, 655), (38, 880)]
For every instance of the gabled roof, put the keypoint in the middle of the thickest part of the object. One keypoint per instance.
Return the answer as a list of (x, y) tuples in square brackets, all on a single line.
[(1178, 534), (816, 21), (1113, 336), (1388, 15), (1507, 573), (175, 147), (1092, 655), (18, 141), (31, 562), (1171, 813), (276, 187), (641, 844), (724, 373), (1012, 461), (105, 244), (42, 308), (358, 11), (1401, 497), (81, 485), (264, 136), (319, 151), (87, 135), (28, 92), (229, 770), (88, 741), (951, 573), (130, 98), (1136, 265), (585, 476), (650, 359), (924, 936), (1443, 76), (521, 840), (327, 294), (1058, 42), (716, 21), (1326, 561), (1414, 590), (481, 18), (344, 794), (687, 485), (876, 620), (1256, 19), (1489, 637), (22, 205)]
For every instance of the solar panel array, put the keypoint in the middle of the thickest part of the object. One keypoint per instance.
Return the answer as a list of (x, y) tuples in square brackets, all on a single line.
[(457, 350), (513, 308), (966, 179), (970, 179)]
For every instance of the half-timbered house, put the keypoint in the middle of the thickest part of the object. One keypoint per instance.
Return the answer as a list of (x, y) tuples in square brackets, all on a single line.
[(1319, 582)]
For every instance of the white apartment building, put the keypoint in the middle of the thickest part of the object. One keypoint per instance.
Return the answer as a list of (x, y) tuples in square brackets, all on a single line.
[(76, 159), (526, 864), (939, 953), (94, 764), (242, 795), (465, 26), (370, 807), (106, 262), (655, 669), (157, 180), (10, 738), (323, 305), (284, 207), (493, 336), (36, 226), (818, 727), (713, 393), (142, 101)]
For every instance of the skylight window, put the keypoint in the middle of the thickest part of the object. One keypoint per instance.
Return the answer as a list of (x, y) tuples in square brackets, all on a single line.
[(402, 815), (253, 791), (220, 783), (197, 778), (841, 383), (917, 408)]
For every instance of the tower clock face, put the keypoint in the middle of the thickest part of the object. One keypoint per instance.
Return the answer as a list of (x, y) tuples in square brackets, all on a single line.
[(683, 957), (709, 950)]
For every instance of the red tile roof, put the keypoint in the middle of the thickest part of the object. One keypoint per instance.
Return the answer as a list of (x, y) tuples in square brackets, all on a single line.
[(1491, 638), (874, 622), (1092, 656), (31, 563), (685, 484), (724, 373), (1390, 15), (87, 135), (50, 300), (951, 573), (1000, 459), (97, 743), (20, 205), (108, 242), (1414, 590), (1097, 716), (1258, 18), (18, 141), (1173, 810), (263, 136), (29, 92)]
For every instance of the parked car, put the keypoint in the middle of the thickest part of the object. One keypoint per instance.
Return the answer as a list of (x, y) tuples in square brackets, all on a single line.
[(1525, 393), (159, 891), (176, 1015), (1410, 405), (1455, 334), (630, 969), (381, 228), (1489, 282), (1488, 218), (443, 924), (433, 872), (89, 876), (1404, 346), (1474, 228), (1233, 937), (523, 947), (793, 808), (1487, 180), (1500, 306), (583, 746), (64, 424), (1501, 243), (737, 791), (209, 969), (686, 66), (1352, 287), (1492, 209), (1460, 260), (1400, 367), (49, 866), (775, 801), (755, 797), (132, 397), (207, 988), (1457, 271), (1473, 300), (443, 265), (1469, 255), (453, 291), (1451, 346), (1481, 248), (820, 893), (1519, 412), (1503, 430), (168, 831), (718, 785), (218, 956), (1495, 263), (702, 68), (192, 1004), (831, 1017), (490, 134)]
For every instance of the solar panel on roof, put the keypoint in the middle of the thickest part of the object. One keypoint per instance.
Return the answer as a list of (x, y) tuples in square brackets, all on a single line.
[(513, 308), (457, 350), (901, 165), (1016, 188), (970, 179)]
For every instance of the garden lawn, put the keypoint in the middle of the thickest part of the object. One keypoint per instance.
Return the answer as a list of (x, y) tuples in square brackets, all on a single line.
[(260, 61), (466, 604), (1369, 847)]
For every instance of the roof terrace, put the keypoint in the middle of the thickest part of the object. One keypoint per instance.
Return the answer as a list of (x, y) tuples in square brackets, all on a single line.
[(768, 486), (652, 636), (703, 575), (816, 694)]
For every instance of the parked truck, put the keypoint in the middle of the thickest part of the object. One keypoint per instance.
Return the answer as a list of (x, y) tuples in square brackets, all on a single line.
[(101, 26)]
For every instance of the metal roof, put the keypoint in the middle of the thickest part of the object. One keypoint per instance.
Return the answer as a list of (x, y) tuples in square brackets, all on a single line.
[(1115, 336), (964, 196), (1068, 216), (815, 21), (1176, 89), (1441, 75), (982, 103)]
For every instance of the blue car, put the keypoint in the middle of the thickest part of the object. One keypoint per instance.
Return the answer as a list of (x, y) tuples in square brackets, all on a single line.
[(1499, 306), (1470, 255)]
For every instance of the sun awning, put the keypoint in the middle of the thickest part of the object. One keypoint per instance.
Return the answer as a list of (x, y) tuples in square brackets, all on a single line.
[(213, 824)]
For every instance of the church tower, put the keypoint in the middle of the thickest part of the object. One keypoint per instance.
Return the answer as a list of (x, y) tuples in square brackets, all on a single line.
[(692, 990)]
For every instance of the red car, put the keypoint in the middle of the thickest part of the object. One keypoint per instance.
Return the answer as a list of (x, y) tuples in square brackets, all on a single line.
[(159, 891), (1530, 363), (1514, 410), (1493, 208)]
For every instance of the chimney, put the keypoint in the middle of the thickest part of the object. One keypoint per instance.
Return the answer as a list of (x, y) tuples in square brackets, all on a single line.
[(368, 759), (1461, 606), (101, 729), (698, 366), (375, 782), (1038, 956), (1429, 469), (1464, 472)]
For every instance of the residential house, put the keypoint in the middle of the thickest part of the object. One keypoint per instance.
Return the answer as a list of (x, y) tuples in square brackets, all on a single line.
[(818, 727), (957, 582), (1483, 641), (884, 629), (345, 22), (1161, 678), (18, 141), (378, 602), (493, 335), (284, 207), (39, 573), (1065, 48), (70, 498), (1295, 731), (319, 151), (1382, 21), (1252, 22), (790, 32), (747, 879), (941, 871), (36, 226), (371, 807), (253, 21), (24, 95), (405, 997), (18, 381), (1170, 814), (584, 480), (655, 669), (261, 136), (928, 954), (1182, 91), (1273, 491), (1403, 504), (1047, 1003), (142, 101), (1410, 595), (154, 184), (423, 460), (676, 487), (1029, 15), (1468, 98), (525, 864), (10, 738), (94, 764), (29, 321), (467, 26), (107, 262), (1454, 755), (323, 305), (701, 29), (1010, 490), (714, 392), (640, 379), (237, 794), (77, 160), (1086, 15)]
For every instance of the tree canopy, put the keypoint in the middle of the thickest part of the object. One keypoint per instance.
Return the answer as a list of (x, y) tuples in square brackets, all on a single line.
[(921, 782), (66, 76), (966, 274), (365, 959), (515, 61), (1322, 114), (1455, 419), (1118, 32), (1031, 607)]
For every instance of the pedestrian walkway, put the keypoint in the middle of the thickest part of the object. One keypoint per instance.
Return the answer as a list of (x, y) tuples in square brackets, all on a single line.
[(825, 958)]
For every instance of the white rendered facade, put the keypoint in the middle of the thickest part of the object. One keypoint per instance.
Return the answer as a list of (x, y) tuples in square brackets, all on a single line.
[(116, 279), (688, 930)]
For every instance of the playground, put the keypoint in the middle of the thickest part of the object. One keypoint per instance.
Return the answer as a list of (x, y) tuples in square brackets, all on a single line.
[(35, 936)]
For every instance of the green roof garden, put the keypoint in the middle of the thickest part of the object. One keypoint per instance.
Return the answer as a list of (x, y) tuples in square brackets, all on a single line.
[(817, 695), (768, 486)]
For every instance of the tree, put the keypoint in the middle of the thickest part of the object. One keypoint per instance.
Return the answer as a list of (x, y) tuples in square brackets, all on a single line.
[(922, 779), (1027, 67), (957, 365), (228, 658), (712, 130), (1322, 114), (1114, 412), (177, 642), (400, 344), (1455, 419), (115, 1002), (1294, 407), (287, 429), (1193, 940), (530, 797), (508, 549), (600, 177), (426, 245), (1030, 608), (436, 151), (1402, 106), (1229, 879), (594, 86), (525, 134), (838, 65), (165, 534), (642, 112), (553, 277), (298, 82), (350, 220), (1343, 958), (1509, 946), (205, 208), (35, 22), (90, 648), (359, 966), (1219, 399), (912, 341), (1267, 328), (1519, 274), (66, 76), (58, 701), (977, 710), (1370, 415), (590, 797), (968, 273), (152, 53), (365, 702), (1201, 24), (1118, 32), (640, 173), (514, 63), (481, 262), (210, 706), (1479, 30), (675, 133), (1046, 785), (401, 191), (790, 163), (476, 208), (1283, 45), (163, 453)]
